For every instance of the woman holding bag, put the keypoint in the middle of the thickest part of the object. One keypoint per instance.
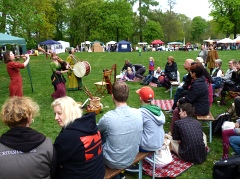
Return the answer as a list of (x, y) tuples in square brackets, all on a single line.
[(170, 73)]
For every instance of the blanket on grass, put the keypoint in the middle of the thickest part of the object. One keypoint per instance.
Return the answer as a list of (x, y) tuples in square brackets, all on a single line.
[(175, 168), (165, 105)]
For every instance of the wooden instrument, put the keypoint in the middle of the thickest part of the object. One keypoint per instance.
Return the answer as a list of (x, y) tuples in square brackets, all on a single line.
[(64, 65), (42, 50), (107, 80)]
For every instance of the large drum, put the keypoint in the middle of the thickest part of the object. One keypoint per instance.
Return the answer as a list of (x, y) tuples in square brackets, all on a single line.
[(81, 69)]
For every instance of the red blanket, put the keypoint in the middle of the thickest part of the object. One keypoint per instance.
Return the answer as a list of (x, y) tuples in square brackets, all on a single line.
[(164, 104), (175, 168)]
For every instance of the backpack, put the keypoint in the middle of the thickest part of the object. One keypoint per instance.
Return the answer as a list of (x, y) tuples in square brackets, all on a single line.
[(218, 122), (227, 168)]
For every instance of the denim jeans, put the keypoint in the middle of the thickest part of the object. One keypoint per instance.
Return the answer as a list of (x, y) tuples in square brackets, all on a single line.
[(235, 144)]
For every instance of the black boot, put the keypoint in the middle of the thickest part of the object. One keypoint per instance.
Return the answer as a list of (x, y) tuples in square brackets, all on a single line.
[(222, 102)]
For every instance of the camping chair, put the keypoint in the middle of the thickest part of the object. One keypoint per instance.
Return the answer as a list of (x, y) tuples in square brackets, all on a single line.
[(106, 83)]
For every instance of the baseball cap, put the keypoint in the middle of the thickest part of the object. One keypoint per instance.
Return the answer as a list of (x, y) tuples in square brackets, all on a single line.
[(146, 93)]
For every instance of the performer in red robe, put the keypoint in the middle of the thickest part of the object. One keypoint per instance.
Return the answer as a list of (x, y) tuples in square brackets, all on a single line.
[(15, 87)]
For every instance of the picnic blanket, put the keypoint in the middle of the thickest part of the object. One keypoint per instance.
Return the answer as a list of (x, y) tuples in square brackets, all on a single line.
[(165, 105), (175, 168)]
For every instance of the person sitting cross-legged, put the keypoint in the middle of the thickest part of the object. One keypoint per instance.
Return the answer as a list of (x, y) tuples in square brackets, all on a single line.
[(152, 78), (188, 140)]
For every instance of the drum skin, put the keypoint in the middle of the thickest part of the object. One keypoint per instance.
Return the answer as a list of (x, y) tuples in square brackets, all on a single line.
[(81, 69)]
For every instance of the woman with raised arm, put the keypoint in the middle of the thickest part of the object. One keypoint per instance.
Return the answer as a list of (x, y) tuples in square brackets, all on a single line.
[(13, 69)]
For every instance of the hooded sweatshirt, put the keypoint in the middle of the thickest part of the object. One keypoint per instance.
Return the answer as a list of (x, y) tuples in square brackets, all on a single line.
[(25, 153), (153, 132), (79, 150)]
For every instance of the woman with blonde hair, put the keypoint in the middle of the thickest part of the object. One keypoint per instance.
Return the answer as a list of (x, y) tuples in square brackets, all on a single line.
[(27, 152), (78, 145)]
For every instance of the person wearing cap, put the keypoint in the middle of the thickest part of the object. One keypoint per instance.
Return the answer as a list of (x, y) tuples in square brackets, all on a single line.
[(121, 130), (153, 121), (75, 83)]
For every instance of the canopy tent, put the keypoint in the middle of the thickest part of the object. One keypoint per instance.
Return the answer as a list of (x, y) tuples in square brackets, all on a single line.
[(225, 41), (124, 46), (101, 43), (175, 43), (63, 46), (52, 44), (142, 43), (157, 42), (111, 43), (49, 42), (8, 39), (237, 40)]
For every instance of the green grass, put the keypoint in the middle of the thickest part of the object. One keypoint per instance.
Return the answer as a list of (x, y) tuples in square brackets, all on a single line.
[(41, 72)]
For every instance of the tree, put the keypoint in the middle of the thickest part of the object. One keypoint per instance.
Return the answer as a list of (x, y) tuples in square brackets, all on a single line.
[(199, 26), (143, 9), (227, 14), (153, 30)]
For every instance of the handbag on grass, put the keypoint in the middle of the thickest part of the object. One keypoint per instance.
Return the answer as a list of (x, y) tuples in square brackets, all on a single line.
[(163, 156)]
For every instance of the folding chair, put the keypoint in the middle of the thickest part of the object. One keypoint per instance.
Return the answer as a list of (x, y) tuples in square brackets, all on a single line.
[(105, 84)]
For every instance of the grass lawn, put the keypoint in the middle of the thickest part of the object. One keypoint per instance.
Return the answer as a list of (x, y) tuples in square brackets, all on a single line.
[(42, 90)]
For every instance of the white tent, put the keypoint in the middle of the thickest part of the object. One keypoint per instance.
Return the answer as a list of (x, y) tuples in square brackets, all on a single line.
[(62, 47), (85, 43), (111, 43), (175, 43), (225, 41), (237, 40)]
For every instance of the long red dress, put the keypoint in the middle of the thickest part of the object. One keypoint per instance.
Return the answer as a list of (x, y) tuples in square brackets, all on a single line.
[(15, 87)]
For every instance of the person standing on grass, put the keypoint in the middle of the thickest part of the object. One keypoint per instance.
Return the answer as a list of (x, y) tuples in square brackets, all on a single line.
[(15, 87), (121, 130), (188, 140), (140, 50), (58, 80), (75, 83), (78, 145), (25, 152), (212, 56), (151, 66)]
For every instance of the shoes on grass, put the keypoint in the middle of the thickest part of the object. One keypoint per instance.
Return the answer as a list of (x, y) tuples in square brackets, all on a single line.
[(170, 111), (167, 91), (133, 168)]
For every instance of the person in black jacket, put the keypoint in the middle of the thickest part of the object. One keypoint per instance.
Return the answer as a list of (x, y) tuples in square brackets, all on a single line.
[(78, 145), (198, 98), (231, 85), (170, 68)]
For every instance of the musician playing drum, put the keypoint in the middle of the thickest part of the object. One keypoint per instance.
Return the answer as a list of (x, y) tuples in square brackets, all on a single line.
[(58, 80), (75, 83)]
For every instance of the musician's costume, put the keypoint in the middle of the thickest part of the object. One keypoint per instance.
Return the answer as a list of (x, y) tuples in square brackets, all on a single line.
[(74, 83), (58, 81), (15, 86)]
